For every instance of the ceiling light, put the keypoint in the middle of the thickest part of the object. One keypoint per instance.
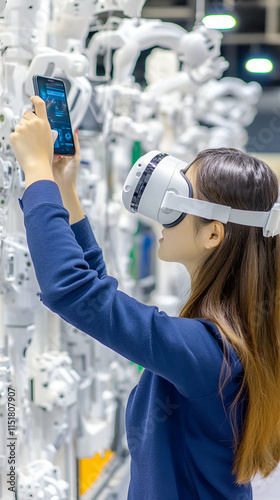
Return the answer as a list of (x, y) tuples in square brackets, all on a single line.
[(259, 65), (219, 21)]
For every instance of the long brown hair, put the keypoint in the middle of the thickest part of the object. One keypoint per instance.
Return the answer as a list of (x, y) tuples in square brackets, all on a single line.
[(238, 289)]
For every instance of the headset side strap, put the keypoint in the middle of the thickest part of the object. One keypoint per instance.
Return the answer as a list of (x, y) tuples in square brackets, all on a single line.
[(272, 227), (192, 206), (222, 213)]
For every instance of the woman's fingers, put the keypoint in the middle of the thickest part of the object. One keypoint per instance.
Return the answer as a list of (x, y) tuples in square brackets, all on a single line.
[(29, 115), (77, 144), (40, 107), (56, 158)]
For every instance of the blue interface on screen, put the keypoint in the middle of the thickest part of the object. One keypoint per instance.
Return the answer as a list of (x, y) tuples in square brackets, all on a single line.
[(58, 116)]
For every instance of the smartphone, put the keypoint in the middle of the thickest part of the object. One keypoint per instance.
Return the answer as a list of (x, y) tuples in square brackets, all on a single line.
[(52, 91)]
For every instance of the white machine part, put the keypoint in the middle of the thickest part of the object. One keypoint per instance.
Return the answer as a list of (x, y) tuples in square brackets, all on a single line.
[(72, 20), (227, 102), (86, 8), (200, 53), (54, 380), (227, 106), (18, 273), (41, 480)]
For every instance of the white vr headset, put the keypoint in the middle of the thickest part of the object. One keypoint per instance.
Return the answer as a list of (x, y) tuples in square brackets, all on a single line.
[(157, 187)]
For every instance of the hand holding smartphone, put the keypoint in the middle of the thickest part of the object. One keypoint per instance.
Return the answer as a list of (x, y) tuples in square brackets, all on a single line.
[(52, 91)]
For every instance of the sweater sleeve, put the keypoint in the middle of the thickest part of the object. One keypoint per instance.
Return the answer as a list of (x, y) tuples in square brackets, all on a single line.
[(92, 252), (79, 290)]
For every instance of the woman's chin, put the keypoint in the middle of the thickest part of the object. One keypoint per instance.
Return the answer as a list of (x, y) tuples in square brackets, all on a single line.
[(162, 256)]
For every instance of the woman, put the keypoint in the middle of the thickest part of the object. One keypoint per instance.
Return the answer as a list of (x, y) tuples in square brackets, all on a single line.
[(205, 416)]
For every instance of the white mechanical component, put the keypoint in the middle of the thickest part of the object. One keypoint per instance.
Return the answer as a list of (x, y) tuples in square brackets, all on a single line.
[(227, 102), (117, 99), (131, 8), (194, 139), (130, 39), (78, 98), (80, 349), (96, 424), (42, 481), (23, 24), (200, 52), (7, 122), (140, 36), (126, 104), (72, 19), (74, 65), (236, 137), (85, 8), (17, 273), (149, 133), (227, 105), (160, 65), (96, 434), (6, 184), (55, 383), (19, 340), (179, 81), (70, 23), (87, 186)]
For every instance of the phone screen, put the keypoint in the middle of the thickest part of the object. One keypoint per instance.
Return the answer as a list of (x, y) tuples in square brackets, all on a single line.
[(52, 91)]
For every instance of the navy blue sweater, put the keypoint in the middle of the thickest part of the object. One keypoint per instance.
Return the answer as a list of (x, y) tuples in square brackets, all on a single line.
[(178, 429)]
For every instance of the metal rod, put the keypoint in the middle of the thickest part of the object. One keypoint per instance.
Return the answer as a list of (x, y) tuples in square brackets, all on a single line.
[(272, 17), (230, 4), (200, 11)]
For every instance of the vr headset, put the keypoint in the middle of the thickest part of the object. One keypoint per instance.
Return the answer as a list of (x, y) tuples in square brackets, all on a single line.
[(157, 187)]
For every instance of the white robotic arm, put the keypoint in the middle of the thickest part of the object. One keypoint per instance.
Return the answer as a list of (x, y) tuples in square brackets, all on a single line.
[(73, 63), (179, 81), (131, 37), (78, 98), (72, 19), (42, 480), (199, 50), (141, 37), (227, 102)]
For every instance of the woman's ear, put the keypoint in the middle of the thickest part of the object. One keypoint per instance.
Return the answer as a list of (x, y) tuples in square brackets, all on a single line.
[(216, 234)]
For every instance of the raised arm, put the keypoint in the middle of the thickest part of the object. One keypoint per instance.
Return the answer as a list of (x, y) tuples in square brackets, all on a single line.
[(92, 251)]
